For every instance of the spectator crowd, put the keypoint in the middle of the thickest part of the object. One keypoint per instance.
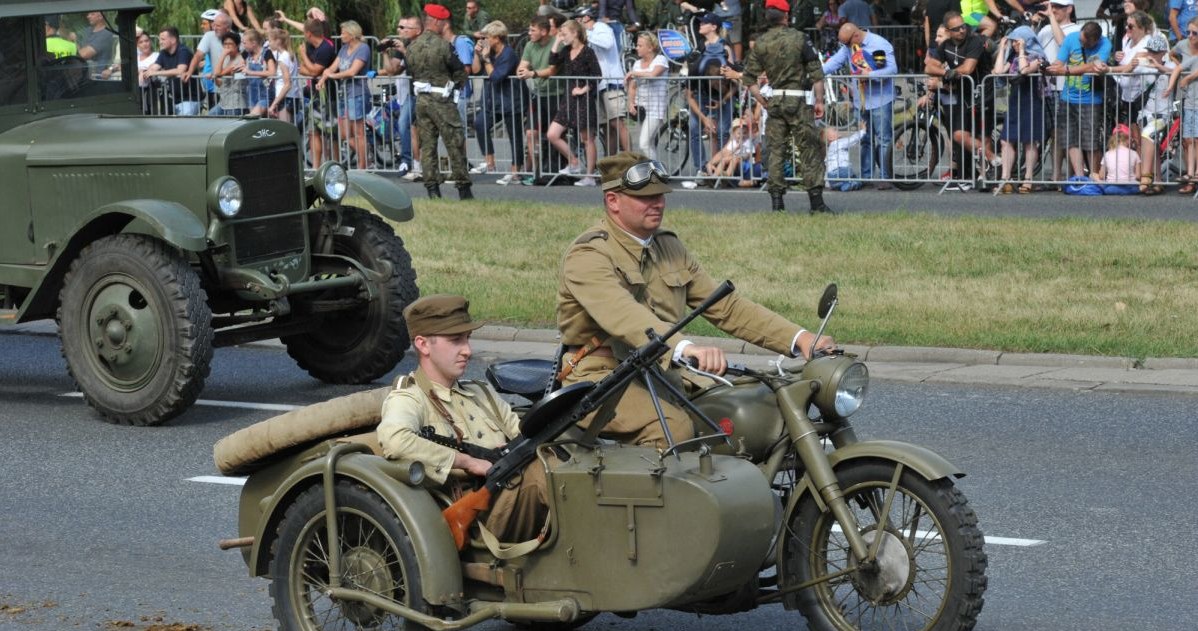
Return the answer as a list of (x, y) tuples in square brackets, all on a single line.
[(1024, 96)]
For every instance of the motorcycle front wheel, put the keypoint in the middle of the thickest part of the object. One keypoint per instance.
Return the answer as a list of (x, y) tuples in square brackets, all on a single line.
[(376, 556), (931, 568)]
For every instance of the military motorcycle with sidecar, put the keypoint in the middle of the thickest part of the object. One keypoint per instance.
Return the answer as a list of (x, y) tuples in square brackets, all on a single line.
[(769, 503)]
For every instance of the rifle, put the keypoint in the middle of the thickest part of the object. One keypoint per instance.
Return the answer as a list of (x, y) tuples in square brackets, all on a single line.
[(533, 433), (474, 451)]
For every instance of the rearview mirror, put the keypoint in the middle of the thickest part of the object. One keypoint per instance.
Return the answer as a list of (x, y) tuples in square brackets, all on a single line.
[(827, 301)]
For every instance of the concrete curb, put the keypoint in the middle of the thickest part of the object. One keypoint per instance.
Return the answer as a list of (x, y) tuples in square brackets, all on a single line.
[(894, 363)]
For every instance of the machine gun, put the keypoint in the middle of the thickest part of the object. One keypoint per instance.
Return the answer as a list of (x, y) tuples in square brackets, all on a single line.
[(547, 419), (472, 450)]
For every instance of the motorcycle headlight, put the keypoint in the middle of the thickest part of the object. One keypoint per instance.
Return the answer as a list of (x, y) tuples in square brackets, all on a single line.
[(850, 389), (225, 197), (332, 181), (844, 381)]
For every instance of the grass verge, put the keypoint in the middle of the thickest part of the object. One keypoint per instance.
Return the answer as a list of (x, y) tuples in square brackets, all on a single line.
[(1124, 288)]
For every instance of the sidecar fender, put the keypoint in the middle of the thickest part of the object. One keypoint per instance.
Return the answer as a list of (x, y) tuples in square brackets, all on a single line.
[(927, 463), (268, 494)]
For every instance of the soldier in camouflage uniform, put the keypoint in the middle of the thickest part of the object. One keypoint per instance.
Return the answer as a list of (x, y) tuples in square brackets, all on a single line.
[(436, 73), (790, 116)]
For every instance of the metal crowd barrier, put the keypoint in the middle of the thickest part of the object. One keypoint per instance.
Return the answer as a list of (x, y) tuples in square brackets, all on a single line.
[(510, 134)]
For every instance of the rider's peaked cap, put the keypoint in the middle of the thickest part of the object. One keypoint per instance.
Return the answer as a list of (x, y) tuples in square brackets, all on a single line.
[(440, 314), (612, 169)]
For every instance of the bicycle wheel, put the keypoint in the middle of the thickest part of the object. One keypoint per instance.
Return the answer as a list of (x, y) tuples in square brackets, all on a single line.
[(672, 143), (918, 146)]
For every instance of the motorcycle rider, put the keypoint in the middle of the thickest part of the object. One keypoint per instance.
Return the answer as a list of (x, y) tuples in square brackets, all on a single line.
[(436, 396), (626, 274)]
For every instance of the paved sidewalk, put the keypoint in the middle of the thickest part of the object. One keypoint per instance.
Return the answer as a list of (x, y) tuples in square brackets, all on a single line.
[(893, 363), (920, 364)]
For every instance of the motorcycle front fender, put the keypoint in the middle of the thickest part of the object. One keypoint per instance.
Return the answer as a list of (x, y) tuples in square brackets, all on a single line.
[(269, 492), (927, 463)]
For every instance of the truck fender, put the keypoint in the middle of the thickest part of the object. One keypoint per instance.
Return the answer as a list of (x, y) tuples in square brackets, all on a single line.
[(436, 553), (169, 221), (385, 196)]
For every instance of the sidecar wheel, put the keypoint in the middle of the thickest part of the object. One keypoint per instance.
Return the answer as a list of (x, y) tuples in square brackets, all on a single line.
[(931, 566), (376, 556)]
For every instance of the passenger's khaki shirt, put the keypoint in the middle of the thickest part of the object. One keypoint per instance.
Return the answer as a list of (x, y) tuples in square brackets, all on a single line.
[(613, 287), (486, 421)]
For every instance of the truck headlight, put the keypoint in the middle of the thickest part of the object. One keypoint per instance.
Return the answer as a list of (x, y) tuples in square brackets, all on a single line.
[(225, 197), (332, 181)]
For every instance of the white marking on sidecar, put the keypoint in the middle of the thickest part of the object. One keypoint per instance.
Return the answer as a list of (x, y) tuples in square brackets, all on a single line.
[(244, 405), (216, 479), (997, 541)]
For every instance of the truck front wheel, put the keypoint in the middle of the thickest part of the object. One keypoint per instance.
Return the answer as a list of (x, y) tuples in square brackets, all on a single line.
[(364, 343), (136, 329)]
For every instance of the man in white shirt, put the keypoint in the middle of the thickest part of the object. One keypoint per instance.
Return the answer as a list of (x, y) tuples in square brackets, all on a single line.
[(613, 100)]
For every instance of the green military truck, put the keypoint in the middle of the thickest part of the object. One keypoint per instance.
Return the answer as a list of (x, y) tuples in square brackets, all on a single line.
[(152, 240)]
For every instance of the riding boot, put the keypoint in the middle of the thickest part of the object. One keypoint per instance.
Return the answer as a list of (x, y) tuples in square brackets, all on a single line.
[(816, 196), (434, 191), (776, 201), (465, 193)]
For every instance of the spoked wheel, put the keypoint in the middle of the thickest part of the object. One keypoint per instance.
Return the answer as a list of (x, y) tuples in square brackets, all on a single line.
[(672, 143), (916, 154), (376, 557), (930, 570)]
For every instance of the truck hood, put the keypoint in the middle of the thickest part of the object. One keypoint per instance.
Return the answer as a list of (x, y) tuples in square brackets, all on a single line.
[(83, 139)]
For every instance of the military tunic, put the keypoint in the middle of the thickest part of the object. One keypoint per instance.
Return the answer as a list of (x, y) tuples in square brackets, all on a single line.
[(479, 416), (612, 288), (432, 61), (791, 119)]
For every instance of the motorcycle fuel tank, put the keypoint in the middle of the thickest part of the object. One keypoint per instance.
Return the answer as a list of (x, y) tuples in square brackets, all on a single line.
[(749, 409), (638, 531)]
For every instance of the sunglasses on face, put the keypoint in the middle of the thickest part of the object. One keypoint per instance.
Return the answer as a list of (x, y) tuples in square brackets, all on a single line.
[(956, 29), (1192, 33)]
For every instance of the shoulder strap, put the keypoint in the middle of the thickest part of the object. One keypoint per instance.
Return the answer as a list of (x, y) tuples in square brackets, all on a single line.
[(587, 237)]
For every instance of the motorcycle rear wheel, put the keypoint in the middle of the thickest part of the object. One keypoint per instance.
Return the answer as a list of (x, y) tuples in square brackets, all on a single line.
[(376, 556), (931, 564)]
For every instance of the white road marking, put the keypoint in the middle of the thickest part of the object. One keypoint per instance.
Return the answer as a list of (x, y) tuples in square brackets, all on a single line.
[(994, 541), (217, 479), (244, 405)]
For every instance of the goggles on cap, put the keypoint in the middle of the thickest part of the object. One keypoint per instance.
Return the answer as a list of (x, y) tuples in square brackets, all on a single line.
[(639, 175)]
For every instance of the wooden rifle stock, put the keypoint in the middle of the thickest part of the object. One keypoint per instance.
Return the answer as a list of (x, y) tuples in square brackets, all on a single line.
[(463, 512), (523, 449)]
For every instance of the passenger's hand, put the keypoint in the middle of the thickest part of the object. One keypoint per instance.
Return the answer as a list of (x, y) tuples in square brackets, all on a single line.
[(710, 358), (470, 464), (819, 109)]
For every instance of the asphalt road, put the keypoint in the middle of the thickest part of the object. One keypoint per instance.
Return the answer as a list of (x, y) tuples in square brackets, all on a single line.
[(927, 199), (101, 526)]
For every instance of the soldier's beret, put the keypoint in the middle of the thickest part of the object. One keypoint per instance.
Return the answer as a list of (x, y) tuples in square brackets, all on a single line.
[(781, 5), (441, 314), (436, 11)]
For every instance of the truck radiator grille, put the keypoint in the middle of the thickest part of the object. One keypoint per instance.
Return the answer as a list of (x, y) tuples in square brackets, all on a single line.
[(270, 184)]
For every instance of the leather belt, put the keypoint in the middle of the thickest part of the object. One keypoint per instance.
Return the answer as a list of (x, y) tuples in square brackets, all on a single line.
[(602, 351)]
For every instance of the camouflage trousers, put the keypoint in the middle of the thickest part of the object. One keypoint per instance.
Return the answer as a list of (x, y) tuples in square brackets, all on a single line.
[(438, 118), (791, 120)]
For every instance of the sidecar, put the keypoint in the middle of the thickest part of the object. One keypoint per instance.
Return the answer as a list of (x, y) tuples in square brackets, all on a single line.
[(352, 540)]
